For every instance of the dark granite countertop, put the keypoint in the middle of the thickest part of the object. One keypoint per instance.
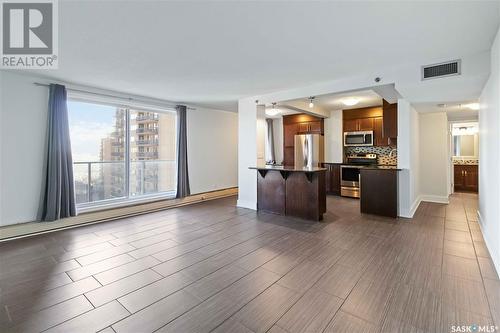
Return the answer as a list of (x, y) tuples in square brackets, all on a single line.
[(290, 168)]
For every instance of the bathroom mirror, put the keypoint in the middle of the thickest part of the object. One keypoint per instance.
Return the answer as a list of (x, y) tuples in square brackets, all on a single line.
[(465, 140)]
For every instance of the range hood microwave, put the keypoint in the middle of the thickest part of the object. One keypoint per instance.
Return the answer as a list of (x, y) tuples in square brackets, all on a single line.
[(360, 138)]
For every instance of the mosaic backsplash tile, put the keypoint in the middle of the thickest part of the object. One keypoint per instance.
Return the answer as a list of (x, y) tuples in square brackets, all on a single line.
[(382, 153), (467, 161)]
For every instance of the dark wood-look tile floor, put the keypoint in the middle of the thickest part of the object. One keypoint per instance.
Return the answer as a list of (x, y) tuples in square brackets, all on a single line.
[(214, 267)]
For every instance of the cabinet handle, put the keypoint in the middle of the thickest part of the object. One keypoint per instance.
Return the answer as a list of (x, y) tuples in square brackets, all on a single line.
[(466, 172)]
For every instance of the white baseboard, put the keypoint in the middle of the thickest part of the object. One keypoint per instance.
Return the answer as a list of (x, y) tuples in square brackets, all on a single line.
[(494, 256), (35, 228), (435, 198), (413, 209), (246, 204)]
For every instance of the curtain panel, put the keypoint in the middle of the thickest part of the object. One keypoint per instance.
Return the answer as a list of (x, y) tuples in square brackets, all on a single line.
[(59, 192), (182, 159)]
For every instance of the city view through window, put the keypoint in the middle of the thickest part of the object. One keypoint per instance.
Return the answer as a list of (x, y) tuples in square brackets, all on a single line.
[(121, 153)]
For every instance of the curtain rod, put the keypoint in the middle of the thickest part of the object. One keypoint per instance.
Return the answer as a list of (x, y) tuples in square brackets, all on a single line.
[(101, 94)]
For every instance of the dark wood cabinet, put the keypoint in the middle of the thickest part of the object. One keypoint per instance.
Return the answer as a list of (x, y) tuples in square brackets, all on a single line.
[(466, 178), (390, 116), (298, 124), (350, 125), (458, 178), (332, 178), (378, 132), (316, 127), (382, 120), (379, 192), (292, 193), (361, 124), (313, 127), (365, 124), (289, 132)]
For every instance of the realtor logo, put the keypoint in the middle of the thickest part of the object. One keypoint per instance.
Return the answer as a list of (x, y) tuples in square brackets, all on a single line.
[(29, 39)]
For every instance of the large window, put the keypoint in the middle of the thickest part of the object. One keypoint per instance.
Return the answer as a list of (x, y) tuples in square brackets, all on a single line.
[(121, 153)]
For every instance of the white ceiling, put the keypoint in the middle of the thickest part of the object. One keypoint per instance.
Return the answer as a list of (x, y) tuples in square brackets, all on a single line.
[(331, 102), (454, 110), (213, 53)]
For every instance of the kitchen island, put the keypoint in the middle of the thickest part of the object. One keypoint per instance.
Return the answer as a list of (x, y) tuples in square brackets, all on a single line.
[(292, 191)]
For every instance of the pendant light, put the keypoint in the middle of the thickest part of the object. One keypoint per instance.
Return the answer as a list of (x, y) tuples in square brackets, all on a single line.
[(273, 112), (311, 104)]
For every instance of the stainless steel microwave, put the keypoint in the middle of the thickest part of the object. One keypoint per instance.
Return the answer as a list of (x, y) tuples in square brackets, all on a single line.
[(361, 138)]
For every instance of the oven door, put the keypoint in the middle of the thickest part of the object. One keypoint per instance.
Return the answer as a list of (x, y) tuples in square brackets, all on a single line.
[(349, 176), (364, 138)]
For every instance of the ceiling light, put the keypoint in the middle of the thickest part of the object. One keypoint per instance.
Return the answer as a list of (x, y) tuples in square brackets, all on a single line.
[(273, 112), (473, 106), (311, 104), (464, 130), (350, 101)]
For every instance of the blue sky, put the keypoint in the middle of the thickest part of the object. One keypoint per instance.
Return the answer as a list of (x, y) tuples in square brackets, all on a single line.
[(89, 123)]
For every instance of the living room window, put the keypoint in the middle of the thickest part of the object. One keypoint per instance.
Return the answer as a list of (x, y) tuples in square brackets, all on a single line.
[(121, 153)]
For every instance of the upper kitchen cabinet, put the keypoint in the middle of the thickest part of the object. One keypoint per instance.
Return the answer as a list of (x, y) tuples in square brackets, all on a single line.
[(382, 120), (378, 132), (390, 115), (298, 124), (365, 124), (351, 125), (361, 119)]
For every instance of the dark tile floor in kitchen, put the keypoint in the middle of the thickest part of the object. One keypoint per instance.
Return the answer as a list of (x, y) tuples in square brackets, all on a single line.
[(214, 267)]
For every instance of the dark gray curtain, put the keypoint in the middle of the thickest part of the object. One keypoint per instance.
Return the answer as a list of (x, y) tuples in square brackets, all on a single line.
[(270, 141), (182, 160), (59, 195)]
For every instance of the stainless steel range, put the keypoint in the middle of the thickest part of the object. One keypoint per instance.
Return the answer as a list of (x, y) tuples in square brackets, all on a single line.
[(350, 173)]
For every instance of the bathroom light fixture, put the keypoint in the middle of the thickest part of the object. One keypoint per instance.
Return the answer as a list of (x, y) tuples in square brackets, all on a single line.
[(350, 101), (311, 99), (273, 112)]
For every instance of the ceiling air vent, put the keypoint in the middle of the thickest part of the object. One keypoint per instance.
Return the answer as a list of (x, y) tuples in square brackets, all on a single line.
[(441, 70)]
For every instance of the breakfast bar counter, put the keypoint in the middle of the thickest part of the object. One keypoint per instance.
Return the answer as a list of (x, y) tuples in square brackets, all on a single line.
[(292, 191)]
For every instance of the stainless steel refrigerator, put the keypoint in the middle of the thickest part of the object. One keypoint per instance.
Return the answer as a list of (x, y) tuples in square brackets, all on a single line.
[(309, 150)]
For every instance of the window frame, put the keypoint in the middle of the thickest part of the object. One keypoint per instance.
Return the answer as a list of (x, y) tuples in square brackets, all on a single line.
[(129, 106)]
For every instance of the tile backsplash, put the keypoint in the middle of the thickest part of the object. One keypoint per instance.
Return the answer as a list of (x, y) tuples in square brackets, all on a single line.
[(382, 153), (465, 160)]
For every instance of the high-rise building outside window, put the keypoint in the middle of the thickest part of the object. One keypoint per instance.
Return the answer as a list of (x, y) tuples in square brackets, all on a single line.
[(121, 153)]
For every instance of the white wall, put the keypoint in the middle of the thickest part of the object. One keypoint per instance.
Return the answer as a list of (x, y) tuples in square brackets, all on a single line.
[(334, 137), (434, 152), (489, 157), (408, 159), (212, 148), (247, 153), (24, 110)]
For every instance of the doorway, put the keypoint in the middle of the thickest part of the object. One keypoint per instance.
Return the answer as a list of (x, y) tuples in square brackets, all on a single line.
[(464, 156)]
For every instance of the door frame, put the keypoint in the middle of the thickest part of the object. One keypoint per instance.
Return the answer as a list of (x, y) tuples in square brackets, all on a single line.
[(451, 179)]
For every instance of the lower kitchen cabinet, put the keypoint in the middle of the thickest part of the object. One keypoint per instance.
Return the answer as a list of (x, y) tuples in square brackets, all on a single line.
[(379, 192), (332, 178), (466, 178)]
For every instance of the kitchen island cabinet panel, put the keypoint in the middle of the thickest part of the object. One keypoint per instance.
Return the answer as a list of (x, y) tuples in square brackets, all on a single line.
[(305, 195), (271, 190), (291, 191)]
